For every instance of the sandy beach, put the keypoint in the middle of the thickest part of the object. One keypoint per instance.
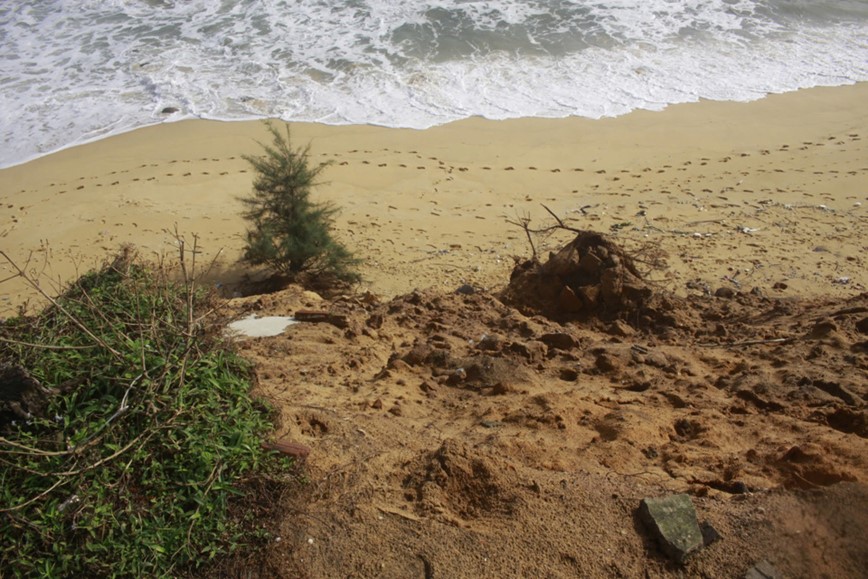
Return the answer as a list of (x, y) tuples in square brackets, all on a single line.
[(742, 194), (478, 433)]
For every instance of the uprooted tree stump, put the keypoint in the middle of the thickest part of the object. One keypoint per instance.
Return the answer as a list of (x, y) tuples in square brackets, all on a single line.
[(590, 277)]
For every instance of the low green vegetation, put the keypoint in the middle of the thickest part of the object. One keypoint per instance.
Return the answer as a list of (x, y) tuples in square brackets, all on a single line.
[(289, 232), (129, 443)]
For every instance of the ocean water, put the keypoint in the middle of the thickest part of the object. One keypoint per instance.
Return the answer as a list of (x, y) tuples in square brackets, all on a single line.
[(73, 71)]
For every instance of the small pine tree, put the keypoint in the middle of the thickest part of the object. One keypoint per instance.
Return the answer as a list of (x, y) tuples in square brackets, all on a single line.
[(290, 233)]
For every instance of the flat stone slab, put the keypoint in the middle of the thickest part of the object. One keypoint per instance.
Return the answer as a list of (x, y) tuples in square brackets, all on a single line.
[(672, 521), (763, 570)]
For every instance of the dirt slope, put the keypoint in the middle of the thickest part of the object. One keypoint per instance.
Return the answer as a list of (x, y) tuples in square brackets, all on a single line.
[(452, 435)]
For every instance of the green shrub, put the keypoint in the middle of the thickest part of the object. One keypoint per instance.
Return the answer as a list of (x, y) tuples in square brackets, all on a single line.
[(136, 440), (290, 233)]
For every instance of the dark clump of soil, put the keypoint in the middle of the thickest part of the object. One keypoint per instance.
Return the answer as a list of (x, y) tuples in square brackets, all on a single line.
[(589, 278)]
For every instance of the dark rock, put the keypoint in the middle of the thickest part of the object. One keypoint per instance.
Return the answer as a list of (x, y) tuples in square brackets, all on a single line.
[(569, 374), (725, 292), (559, 340), (709, 534), (672, 521), (606, 363), (688, 429), (862, 326), (466, 289), (375, 321), (457, 377), (419, 354), (534, 352), (489, 343), (169, 110), (780, 286), (849, 421), (428, 388), (650, 452), (823, 328), (500, 389), (568, 301), (620, 328), (763, 570)]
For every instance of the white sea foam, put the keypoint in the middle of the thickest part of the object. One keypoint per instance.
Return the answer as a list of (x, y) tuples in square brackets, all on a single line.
[(78, 70)]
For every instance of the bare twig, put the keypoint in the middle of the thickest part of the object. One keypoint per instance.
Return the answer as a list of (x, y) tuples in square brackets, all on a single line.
[(524, 223), (44, 346), (27, 450), (561, 224), (750, 343), (23, 274)]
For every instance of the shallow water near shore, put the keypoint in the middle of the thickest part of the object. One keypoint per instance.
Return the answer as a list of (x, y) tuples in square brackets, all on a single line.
[(77, 72)]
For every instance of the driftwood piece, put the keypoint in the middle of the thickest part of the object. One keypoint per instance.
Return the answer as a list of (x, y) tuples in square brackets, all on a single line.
[(320, 317)]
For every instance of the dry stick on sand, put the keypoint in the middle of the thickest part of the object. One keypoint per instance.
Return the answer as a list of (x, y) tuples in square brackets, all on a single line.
[(750, 343)]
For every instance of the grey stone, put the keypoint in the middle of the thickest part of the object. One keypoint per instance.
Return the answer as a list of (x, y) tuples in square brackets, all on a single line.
[(763, 570), (709, 534), (672, 521)]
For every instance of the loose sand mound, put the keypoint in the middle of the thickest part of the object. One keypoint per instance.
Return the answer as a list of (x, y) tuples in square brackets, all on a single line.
[(453, 435)]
